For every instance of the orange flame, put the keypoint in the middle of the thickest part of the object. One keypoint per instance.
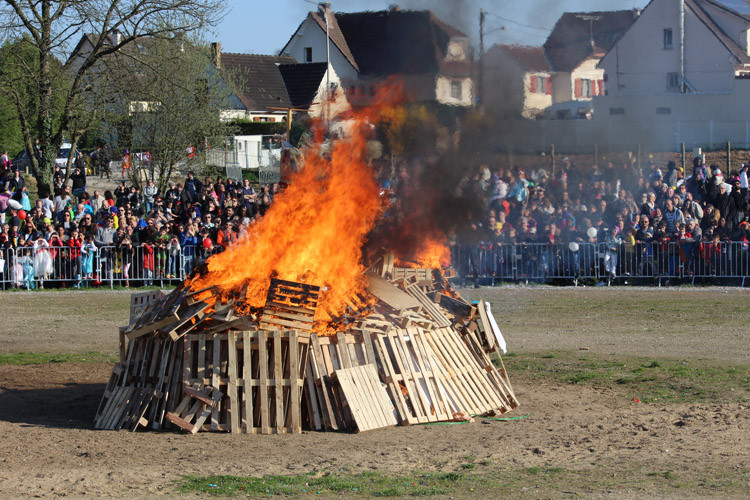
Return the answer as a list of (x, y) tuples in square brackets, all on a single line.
[(314, 230)]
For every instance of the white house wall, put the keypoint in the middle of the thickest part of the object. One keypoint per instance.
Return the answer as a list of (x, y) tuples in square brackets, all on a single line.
[(656, 123), (443, 91), (639, 64), (311, 35), (535, 102)]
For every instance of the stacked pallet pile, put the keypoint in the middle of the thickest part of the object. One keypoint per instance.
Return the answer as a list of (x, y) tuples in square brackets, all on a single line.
[(407, 350)]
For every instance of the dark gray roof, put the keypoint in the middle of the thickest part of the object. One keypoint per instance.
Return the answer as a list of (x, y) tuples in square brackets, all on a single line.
[(569, 44), (259, 78), (302, 81)]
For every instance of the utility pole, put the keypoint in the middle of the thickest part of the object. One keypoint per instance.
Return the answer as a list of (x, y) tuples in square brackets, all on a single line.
[(682, 46), (480, 86)]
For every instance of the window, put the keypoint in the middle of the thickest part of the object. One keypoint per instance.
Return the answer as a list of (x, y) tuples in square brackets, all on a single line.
[(663, 111), (585, 88), (667, 38), (456, 90), (673, 82), (308, 54), (616, 111)]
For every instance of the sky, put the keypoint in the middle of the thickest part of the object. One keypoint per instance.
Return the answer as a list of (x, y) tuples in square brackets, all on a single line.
[(264, 27)]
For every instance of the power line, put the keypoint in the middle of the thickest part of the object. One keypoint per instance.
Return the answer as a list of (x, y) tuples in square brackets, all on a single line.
[(517, 23)]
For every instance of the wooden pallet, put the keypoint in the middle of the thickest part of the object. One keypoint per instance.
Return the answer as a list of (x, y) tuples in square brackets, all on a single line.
[(432, 375), (365, 398), (322, 396), (260, 373), (140, 301), (290, 305), (434, 312), (421, 274), (194, 408)]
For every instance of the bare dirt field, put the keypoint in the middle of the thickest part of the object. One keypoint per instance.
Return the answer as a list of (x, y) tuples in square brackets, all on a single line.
[(602, 422)]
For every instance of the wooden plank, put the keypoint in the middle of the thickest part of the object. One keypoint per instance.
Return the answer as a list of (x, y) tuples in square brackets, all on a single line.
[(216, 378), (295, 409), (401, 355), (263, 382), (267, 322), (342, 351), (278, 380), (390, 294), (316, 363), (152, 327), (234, 403), (247, 376), (379, 342), (387, 408), (361, 388), (281, 313), (427, 376), (456, 306)]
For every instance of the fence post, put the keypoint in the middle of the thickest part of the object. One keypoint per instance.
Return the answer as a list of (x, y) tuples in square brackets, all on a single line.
[(552, 152), (683, 158), (638, 158), (729, 158)]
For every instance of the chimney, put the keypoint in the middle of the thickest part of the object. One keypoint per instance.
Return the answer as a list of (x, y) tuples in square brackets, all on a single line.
[(394, 7), (324, 8), (216, 54)]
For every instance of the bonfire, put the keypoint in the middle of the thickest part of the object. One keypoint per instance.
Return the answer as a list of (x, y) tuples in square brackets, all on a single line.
[(295, 326)]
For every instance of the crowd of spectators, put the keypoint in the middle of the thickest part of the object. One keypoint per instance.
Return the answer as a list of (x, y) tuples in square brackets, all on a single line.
[(136, 233), (647, 219)]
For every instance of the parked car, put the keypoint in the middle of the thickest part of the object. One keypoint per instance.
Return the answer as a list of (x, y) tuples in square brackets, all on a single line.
[(62, 155)]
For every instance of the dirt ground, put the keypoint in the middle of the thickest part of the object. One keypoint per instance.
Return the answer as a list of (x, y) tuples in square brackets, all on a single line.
[(49, 447)]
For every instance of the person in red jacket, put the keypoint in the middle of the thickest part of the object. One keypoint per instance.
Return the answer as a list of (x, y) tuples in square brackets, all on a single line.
[(75, 243), (148, 263), (226, 237)]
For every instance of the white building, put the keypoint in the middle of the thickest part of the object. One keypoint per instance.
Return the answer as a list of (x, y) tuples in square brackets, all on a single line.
[(430, 57), (661, 92)]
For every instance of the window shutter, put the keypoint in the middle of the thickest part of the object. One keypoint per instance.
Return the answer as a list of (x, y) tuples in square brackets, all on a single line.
[(578, 85), (549, 85), (532, 84), (601, 87)]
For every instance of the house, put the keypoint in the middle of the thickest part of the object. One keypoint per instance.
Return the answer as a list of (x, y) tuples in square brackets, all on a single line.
[(517, 80), (259, 85), (715, 50), (364, 48), (575, 46), (264, 82), (671, 92)]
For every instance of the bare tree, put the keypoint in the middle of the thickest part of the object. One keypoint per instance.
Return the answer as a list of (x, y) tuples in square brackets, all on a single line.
[(52, 25), (169, 96)]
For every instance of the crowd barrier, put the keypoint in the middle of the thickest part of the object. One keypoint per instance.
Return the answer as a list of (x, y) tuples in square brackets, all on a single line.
[(539, 262), (27, 267), (723, 262)]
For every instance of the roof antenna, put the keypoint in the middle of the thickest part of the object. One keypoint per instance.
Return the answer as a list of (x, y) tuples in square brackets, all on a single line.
[(590, 19)]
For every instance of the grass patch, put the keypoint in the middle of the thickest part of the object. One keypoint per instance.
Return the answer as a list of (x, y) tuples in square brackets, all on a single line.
[(497, 481), (367, 484), (647, 379), (43, 358)]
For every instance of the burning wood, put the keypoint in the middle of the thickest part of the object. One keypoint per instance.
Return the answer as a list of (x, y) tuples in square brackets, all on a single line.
[(195, 362)]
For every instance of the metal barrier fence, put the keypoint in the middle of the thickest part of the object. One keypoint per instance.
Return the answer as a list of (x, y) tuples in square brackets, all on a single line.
[(68, 267), (538, 262), (143, 265)]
